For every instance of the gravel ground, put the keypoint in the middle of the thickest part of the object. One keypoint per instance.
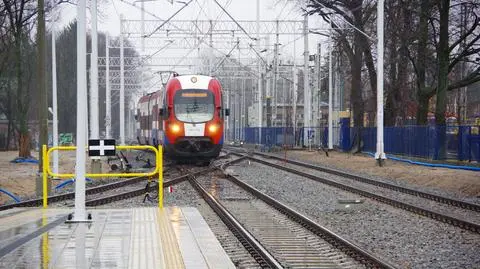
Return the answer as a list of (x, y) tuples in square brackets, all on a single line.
[(434, 190), (247, 209), (406, 239), (407, 198)]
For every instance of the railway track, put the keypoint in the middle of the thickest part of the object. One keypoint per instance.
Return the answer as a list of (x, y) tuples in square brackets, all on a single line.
[(71, 195), (426, 195), (111, 186), (280, 237), (444, 216)]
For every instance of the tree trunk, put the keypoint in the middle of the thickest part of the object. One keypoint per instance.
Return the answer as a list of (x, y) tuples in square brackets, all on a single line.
[(356, 70), (356, 94), (9, 135), (24, 145), (443, 63), (422, 111), (22, 121), (9, 114)]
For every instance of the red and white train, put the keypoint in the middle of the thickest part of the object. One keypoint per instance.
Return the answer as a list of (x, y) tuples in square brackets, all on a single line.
[(187, 118)]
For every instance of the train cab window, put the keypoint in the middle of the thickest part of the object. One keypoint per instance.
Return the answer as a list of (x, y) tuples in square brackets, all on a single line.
[(193, 105)]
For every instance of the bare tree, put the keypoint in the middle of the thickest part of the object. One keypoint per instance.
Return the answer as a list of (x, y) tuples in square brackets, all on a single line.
[(355, 44), (19, 15)]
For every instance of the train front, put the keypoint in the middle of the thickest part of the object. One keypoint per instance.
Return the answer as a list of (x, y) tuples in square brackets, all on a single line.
[(194, 118)]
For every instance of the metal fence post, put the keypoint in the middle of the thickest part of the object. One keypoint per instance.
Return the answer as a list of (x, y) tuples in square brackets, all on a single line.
[(46, 162), (160, 176)]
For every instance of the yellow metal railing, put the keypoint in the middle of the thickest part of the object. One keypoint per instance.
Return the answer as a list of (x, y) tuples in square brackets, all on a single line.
[(158, 169)]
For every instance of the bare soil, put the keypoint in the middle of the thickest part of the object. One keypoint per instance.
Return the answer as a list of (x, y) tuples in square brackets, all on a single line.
[(20, 178), (463, 182)]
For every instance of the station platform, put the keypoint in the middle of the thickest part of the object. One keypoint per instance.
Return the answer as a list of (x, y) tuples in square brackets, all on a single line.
[(175, 237)]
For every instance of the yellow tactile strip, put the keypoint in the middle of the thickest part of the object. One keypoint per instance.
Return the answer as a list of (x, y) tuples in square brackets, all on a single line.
[(171, 251)]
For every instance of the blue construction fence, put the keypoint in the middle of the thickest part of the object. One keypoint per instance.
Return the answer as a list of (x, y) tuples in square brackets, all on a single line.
[(460, 142)]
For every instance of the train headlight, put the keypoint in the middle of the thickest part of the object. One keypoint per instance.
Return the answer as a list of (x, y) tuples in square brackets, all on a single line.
[(213, 128), (175, 128)]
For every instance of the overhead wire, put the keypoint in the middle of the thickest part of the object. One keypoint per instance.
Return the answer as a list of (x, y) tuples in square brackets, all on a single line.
[(343, 19), (224, 58), (167, 20), (201, 40), (235, 21)]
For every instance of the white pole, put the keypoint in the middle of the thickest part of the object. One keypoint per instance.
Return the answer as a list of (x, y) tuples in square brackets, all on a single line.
[(122, 87), (295, 89), (316, 96), (142, 29), (94, 124), (380, 154), (108, 102), (242, 111), (81, 107), (330, 92), (259, 81), (54, 102), (306, 85)]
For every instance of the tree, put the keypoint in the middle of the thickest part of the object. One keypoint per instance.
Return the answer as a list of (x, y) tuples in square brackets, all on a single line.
[(66, 78), (20, 14), (354, 43)]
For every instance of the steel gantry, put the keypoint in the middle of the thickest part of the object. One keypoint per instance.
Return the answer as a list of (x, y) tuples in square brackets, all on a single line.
[(228, 49)]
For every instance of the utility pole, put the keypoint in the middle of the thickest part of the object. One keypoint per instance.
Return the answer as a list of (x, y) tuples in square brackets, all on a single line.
[(210, 56), (268, 91), (108, 110), (275, 77), (94, 120), (259, 81), (307, 109), (380, 154), (80, 212), (122, 85), (43, 106), (242, 111), (295, 92), (317, 90), (54, 101), (330, 91), (295, 95)]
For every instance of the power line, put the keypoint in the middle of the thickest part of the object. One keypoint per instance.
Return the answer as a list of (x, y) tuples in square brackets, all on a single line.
[(230, 16), (166, 21), (115, 7), (224, 58)]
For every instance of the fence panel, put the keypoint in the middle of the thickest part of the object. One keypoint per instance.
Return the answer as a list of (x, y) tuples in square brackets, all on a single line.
[(460, 142)]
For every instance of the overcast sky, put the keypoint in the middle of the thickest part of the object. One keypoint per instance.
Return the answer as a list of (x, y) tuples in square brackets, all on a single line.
[(109, 11)]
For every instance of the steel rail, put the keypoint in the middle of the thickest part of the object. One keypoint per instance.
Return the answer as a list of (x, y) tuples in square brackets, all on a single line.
[(426, 195), (71, 195), (474, 227), (153, 187), (361, 255), (255, 248), (102, 188)]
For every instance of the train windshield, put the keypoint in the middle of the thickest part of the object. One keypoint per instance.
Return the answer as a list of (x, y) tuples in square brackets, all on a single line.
[(194, 105)]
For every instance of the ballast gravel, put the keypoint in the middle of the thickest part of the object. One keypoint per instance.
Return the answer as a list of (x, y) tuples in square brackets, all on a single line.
[(406, 239)]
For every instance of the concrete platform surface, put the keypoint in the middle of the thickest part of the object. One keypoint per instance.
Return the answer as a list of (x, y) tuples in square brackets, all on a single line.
[(116, 238)]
